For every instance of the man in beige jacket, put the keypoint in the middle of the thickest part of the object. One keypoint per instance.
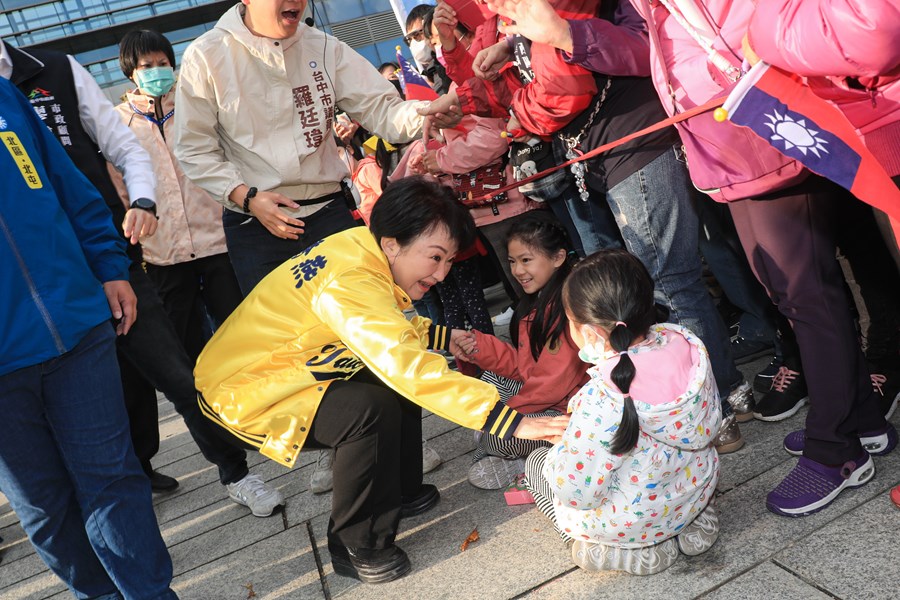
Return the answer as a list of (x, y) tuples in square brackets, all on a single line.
[(256, 98)]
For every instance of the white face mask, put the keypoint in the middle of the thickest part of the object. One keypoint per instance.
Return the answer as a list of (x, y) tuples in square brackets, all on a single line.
[(421, 52), (591, 353)]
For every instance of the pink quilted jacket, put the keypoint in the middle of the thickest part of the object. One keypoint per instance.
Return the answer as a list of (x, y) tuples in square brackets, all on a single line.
[(725, 161), (850, 52)]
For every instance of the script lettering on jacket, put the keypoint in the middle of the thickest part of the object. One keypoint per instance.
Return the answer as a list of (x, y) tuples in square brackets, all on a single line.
[(332, 365)]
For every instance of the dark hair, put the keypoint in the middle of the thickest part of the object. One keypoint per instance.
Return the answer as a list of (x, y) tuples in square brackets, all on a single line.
[(387, 160), (413, 206), (547, 237), (385, 65), (613, 290), (419, 11), (140, 42)]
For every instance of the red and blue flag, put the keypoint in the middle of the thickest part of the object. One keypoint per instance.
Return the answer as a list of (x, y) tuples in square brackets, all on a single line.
[(782, 110), (414, 85)]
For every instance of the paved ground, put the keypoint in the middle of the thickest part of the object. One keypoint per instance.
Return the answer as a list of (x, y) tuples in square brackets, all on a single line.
[(221, 551)]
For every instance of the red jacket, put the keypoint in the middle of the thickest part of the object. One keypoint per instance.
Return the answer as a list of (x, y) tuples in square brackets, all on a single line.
[(549, 381), (559, 93)]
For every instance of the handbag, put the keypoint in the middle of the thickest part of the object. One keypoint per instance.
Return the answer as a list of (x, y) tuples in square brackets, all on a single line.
[(531, 157), (471, 187)]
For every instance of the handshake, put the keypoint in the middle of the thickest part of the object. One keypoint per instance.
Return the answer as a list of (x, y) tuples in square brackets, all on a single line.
[(463, 344)]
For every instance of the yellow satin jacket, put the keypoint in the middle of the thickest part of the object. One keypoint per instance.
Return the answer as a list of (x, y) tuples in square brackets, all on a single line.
[(322, 316)]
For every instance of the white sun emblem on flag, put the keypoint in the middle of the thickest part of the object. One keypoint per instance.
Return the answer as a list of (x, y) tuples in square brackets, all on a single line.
[(795, 134), (2, 123)]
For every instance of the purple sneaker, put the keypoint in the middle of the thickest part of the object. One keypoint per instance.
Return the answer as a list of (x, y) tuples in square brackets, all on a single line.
[(812, 486), (876, 443)]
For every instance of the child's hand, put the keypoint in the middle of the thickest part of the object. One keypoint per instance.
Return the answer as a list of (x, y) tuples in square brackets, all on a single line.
[(463, 344), (415, 165), (430, 162), (548, 429)]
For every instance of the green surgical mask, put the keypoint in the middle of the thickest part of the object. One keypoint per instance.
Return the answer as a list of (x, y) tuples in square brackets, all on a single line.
[(155, 81)]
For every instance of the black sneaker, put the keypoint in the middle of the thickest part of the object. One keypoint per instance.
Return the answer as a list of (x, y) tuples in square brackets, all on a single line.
[(787, 396), (886, 383), (762, 383), (745, 350), (367, 564)]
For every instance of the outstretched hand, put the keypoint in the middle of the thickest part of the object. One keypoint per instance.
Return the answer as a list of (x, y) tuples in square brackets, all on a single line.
[(535, 20), (548, 429), (442, 113)]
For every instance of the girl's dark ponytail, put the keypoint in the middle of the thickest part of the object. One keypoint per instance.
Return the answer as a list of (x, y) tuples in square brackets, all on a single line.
[(622, 374)]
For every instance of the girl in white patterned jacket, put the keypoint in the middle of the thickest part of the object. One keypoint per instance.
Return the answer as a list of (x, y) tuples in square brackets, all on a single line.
[(630, 483)]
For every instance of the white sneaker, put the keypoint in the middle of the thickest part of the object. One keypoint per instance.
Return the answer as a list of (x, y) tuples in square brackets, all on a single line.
[(431, 460), (322, 479), (503, 318), (261, 498)]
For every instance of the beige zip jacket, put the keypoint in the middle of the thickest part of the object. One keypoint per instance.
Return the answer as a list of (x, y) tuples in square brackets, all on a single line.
[(259, 111), (190, 222)]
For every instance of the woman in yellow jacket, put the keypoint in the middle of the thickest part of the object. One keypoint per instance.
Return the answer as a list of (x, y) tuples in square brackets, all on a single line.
[(320, 355)]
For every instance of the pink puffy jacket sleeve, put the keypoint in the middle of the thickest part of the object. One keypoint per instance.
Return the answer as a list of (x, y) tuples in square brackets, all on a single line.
[(480, 146), (828, 37)]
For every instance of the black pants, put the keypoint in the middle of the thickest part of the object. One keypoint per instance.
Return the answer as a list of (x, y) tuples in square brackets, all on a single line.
[(152, 347), (377, 437), (254, 252), (190, 290), (789, 238)]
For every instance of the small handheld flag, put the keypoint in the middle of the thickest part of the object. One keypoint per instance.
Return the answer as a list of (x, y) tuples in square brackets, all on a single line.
[(414, 85), (779, 108)]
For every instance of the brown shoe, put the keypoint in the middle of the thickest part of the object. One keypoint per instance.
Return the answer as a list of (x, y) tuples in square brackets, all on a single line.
[(729, 438)]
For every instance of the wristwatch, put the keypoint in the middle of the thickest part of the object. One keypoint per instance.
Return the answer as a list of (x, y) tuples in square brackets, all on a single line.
[(145, 204)]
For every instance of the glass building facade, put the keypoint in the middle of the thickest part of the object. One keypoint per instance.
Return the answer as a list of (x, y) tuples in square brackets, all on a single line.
[(91, 29)]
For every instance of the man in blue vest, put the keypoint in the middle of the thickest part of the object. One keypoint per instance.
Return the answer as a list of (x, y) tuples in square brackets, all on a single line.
[(71, 104), (67, 465)]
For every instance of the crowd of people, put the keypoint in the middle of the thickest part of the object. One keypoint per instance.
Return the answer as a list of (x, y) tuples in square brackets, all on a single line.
[(295, 256)]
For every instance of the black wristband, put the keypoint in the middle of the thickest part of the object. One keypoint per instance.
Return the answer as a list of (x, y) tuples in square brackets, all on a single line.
[(251, 193)]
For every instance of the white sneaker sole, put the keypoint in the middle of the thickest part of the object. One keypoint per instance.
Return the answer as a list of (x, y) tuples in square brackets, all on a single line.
[(785, 415), (495, 473), (893, 407), (254, 511)]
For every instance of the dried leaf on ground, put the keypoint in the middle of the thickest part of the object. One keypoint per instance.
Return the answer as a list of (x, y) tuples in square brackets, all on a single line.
[(473, 537), (250, 592)]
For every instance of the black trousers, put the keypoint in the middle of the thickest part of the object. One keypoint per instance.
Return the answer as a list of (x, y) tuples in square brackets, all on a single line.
[(377, 437), (190, 290), (154, 350), (789, 237)]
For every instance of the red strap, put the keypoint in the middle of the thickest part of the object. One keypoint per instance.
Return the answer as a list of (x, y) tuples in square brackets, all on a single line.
[(715, 102)]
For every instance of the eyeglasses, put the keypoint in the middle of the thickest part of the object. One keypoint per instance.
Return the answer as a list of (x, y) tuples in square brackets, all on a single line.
[(417, 35)]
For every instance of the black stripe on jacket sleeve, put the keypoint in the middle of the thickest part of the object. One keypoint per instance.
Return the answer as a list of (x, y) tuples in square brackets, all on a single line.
[(502, 421)]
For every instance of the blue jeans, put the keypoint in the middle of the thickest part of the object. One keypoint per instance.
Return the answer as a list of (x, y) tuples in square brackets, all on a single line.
[(69, 472), (658, 221), (594, 221)]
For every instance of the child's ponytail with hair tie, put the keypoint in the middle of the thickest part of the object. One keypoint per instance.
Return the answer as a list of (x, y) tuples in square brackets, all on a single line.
[(622, 374)]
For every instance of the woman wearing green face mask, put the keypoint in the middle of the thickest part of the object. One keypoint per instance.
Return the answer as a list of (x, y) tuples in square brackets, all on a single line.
[(187, 258)]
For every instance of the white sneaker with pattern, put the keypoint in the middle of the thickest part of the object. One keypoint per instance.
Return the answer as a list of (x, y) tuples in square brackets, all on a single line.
[(260, 497)]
